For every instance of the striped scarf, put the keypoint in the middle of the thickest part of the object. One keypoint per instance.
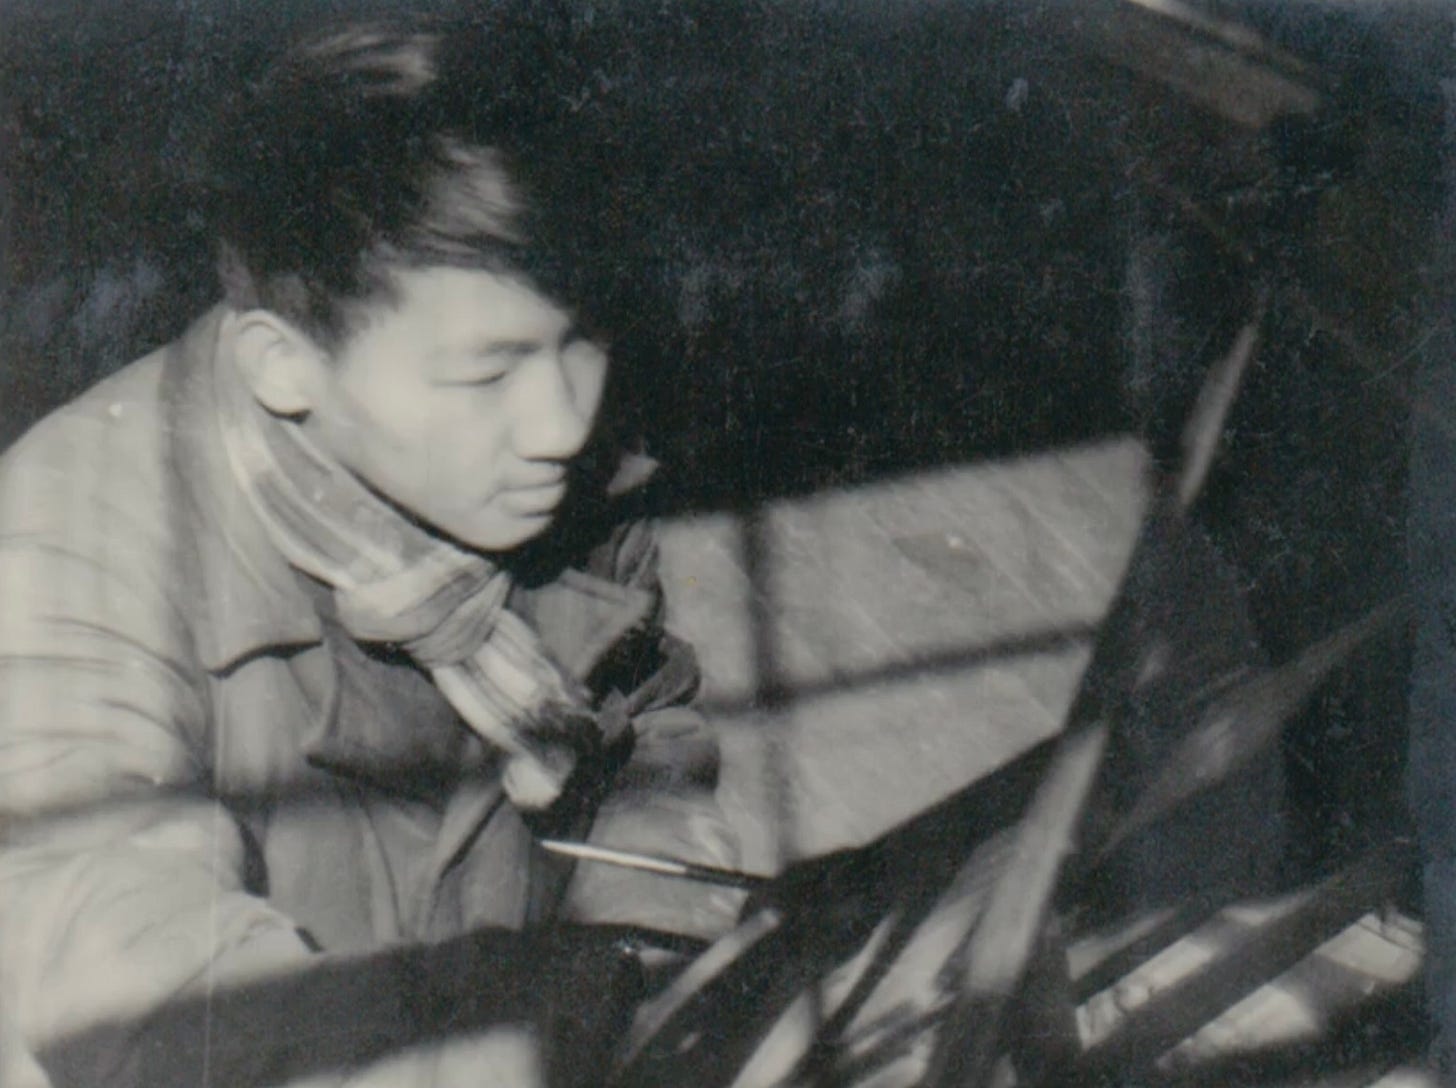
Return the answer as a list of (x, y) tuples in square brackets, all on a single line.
[(393, 582)]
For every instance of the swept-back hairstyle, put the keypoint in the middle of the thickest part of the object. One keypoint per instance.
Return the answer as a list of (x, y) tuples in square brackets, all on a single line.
[(348, 158)]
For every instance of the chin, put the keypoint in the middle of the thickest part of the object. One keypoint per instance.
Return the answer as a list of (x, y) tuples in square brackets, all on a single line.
[(504, 538)]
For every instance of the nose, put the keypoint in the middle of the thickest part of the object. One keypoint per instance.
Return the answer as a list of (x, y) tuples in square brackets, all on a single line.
[(557, 406)]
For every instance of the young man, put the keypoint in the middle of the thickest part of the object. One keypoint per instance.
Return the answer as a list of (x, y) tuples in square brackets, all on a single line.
[(310, 618)]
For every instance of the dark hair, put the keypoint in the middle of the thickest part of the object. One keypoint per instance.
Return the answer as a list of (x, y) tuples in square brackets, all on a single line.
[(347, 159)]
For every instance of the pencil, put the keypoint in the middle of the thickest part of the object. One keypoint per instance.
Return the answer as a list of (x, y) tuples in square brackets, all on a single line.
[(648, 863)]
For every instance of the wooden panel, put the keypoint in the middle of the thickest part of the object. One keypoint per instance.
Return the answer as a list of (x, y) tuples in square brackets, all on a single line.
[(928, 629)]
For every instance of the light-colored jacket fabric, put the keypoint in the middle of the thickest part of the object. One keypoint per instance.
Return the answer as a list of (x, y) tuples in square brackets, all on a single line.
[(189, 796)]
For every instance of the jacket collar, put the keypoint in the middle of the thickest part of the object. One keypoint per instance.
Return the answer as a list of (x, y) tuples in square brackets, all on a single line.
[(252, 601)]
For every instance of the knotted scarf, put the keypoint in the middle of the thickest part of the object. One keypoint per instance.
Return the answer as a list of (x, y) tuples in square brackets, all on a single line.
[(394, 582)]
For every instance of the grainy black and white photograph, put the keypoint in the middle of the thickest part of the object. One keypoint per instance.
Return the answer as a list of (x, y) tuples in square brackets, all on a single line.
[(727, 544)]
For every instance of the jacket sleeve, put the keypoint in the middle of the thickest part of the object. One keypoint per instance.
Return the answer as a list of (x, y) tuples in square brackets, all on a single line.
[(664, 800), (120, 881), (122, 895)]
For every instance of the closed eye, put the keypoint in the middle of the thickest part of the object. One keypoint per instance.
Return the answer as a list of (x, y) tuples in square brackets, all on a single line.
[(490, 365), (477, 381)]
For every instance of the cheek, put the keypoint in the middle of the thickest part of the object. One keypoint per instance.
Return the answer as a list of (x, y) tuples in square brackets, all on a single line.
[(459, 449), (422, 449), (388, 416)]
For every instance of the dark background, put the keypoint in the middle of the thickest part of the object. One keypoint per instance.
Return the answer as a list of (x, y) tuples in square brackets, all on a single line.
[(832, 241)]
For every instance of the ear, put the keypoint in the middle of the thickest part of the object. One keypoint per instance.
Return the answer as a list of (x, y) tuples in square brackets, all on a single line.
[(280, 363)]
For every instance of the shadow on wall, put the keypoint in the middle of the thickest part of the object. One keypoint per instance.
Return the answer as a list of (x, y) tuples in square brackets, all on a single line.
[(839, 240)]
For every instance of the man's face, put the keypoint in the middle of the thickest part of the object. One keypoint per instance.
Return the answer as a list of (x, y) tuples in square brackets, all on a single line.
[(463, 402)]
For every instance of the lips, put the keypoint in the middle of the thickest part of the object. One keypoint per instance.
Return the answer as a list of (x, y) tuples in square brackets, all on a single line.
[(540, 481), (537, 499)]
